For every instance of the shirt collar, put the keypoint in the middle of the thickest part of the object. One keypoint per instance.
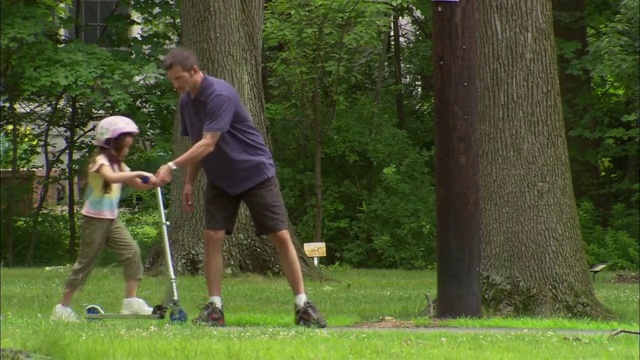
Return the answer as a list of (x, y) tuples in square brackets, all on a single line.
[(206, 84)]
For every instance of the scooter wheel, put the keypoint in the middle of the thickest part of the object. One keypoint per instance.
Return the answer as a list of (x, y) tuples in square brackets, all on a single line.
[(178, 316), (93, 310)]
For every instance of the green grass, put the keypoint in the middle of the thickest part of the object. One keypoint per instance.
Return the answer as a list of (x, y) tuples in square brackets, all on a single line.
[(261, 312)]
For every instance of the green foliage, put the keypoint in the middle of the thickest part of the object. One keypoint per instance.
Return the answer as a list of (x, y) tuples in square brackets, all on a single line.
[(324, 76), (617, 244), (318, 59), (397, 225), (331, 83), (609, 212), (27, 147), (378, 200), (613, 50), (608, 109), (57, 86), (52, 235), (73, 83)]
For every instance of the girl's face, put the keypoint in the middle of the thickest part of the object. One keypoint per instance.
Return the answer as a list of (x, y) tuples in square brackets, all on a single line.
[(126, 145)]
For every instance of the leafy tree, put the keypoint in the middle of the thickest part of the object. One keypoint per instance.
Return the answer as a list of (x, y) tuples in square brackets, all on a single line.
[(59, 86)]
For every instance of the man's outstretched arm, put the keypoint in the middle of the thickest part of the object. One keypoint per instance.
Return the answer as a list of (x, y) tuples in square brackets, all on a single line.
[(199, 150), (190, 159)]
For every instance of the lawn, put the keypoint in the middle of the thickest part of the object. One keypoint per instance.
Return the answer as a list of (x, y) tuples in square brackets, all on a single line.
[(259, 311)]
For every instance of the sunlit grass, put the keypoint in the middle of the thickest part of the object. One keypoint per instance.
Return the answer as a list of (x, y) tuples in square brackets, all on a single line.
[(259, 311)]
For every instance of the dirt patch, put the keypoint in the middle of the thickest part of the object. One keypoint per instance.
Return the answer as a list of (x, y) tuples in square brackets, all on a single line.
[(388, 322), (395, 324), (626, 277)]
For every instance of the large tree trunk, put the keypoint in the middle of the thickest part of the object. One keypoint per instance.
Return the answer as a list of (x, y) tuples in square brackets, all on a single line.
[(227, 38), (533, 257)]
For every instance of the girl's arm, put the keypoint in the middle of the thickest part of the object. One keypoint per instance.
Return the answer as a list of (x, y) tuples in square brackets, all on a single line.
[(138, 184), (143, 183), (121, 177)]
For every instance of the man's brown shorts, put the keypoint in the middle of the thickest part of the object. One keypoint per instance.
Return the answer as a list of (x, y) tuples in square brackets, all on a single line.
[(264, 202)]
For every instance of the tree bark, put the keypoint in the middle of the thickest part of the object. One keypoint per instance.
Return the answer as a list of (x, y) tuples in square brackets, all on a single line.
[(534, 262), (227, 38)]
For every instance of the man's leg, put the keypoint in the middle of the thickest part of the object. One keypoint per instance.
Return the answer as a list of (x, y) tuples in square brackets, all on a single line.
[(213, 261), (288, 260), (269, 216), (220, 212)]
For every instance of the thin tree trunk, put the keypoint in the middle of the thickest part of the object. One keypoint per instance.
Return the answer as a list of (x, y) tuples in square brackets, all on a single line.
[(381, 62), (227, 37), (397, 60), (317, 161), (570, 25), (14, 181), (533, 257), (633, 165), (71, 200), (44, 191)]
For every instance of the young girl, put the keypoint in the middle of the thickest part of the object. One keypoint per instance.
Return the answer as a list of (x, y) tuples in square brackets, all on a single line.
[(100, 225)]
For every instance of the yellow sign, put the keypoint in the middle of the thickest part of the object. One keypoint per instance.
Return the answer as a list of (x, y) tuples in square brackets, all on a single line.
[(598, 267), (315, 249)]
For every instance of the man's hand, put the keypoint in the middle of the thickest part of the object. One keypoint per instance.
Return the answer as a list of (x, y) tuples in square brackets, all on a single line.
[(163, 175), (187, 198)]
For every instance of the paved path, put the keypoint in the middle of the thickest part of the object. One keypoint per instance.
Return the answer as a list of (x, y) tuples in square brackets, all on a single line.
[(447, 329), (475, 330)]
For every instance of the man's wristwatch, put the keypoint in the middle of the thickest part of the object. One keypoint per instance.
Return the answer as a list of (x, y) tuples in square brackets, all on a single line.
[(172, 166)]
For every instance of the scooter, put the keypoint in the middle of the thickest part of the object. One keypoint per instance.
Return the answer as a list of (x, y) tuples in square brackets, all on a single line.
[(171, 304)]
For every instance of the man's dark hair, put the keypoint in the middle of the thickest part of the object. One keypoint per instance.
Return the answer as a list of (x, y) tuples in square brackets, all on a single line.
[(182, 57)]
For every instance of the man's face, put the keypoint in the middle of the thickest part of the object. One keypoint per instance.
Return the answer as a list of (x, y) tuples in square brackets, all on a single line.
[(181, 79)]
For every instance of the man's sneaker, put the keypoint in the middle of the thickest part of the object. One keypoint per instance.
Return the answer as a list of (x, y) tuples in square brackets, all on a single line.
[(210, 315), (309, 316), (64, 313), (135, 306)]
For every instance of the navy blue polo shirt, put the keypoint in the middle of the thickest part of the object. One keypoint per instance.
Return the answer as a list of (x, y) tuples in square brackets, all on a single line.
[(241, 158)]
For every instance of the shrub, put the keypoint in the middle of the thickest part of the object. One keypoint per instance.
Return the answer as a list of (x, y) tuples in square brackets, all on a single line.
[(52, 237), (617, 244)]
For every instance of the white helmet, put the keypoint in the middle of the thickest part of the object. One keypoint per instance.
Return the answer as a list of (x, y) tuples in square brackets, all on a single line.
[(112, 126)]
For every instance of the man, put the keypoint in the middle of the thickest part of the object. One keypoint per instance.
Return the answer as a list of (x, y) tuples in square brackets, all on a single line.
[(238, 167)]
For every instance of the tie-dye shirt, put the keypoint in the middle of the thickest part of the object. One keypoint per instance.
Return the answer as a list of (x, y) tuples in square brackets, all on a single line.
[(97, 204)]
